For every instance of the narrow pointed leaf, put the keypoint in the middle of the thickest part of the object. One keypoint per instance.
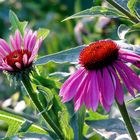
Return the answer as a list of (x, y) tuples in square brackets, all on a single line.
[(96, 11), (43, 33), (15, 124), (131, 6), (16, 24), (70, 55)]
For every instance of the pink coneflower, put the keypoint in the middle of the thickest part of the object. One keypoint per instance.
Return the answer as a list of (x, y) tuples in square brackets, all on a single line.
[(21, 53), (100, 78)]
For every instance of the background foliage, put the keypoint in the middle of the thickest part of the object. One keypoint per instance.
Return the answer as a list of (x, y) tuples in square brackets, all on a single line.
[(15, 105)]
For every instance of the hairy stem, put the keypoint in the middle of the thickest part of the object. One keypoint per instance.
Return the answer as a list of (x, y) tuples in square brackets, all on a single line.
[(45, 115), (127, 121), (124, 11)]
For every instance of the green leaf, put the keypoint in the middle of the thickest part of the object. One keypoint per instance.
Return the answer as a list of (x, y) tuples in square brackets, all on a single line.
[(129, 47), (59, 75), (136, 26), (95, 116), (16, 24), (47, 82), (64, 122), (108, 128), (96, 11), (70, 55), (131, 6), (134, 100), (111, 127), (37, 136), (43, 33), (124, 4), (81, 119), (15, 123), (76, 120), (25, 126), (45, 96), (122, 31), (30, 136)]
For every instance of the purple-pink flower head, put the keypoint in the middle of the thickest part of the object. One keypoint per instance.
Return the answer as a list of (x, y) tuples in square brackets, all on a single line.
[(20, 53), (103, 72)]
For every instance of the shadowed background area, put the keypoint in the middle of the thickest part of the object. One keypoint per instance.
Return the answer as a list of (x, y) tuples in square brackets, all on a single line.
[(62, 36)]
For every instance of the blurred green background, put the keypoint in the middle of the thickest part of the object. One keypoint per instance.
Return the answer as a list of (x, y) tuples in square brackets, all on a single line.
[(63, 35)]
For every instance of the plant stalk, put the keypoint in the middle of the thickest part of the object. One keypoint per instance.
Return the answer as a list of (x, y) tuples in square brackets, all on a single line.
[(34, 99), (127, 121), (124, 11)]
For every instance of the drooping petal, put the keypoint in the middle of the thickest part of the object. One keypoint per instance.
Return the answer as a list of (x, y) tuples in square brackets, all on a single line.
[(133, 78), (5, 46), (87, 100), (108, 93), (91, 95), (80, 91), (101, 91), (126, 54), (66, 83), (104, 104), (118, 90), (94, 95), (125, 80), (130, 57), (68, 90)]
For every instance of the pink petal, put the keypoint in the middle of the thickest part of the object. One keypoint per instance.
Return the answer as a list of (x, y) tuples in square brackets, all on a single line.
[(125, 80), (18, 40), (67, 82), (87, 100), (3, 53), (108, 93), (129, 59), (101, 89), (119, 90), (69, 88), (35, 50), (25, 59), (5, 46), (32, 41), (13, 43), (80, 91), (1, 68), (127, 54), (18, 65), (7, 67), (104, 104), (94, 92), (131, 75), (27, 39)]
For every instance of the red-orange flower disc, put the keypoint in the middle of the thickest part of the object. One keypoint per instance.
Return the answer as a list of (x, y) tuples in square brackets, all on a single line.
[(17, 57), (99, 54)]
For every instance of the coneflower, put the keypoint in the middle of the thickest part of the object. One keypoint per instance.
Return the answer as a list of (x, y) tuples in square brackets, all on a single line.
[(102, 73)]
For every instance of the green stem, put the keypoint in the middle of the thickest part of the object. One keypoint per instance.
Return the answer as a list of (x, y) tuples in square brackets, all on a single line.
[(127, 121), (123, 10), (45, 115)]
